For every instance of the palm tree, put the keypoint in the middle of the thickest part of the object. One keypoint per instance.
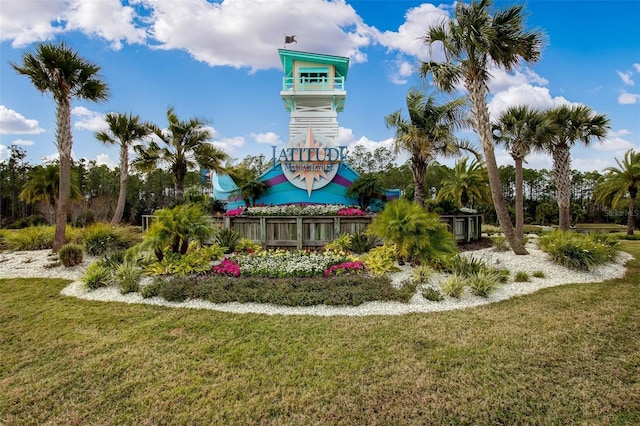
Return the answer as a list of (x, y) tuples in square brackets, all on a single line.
[(570, 124), (251, 190), (620, 181), (472, 41), (59, 70), (466, 185), (184, 148), (365, 189), (44, 185), (124, 130), (520, 129), (428, 132)]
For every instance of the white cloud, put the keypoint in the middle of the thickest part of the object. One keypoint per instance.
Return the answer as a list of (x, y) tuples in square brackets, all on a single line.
[(626, 98), (229, 145), (408, 38), (501, 80), (89, 120), (626, 77), (106, 160), (614, 143), (243, 33), (12, 122), (400, 70), (525, 94), (637, 67), (27, 21), (23, 142), (4, 152), (108, 19), (269, 138)]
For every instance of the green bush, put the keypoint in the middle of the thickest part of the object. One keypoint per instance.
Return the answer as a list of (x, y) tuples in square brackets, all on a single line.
[(288, 263), (578, 251), (337, 290), (70, 255), (491, 229), (31, 238), (227, 238), (422, 273), (483, 283), (247, 245), (432, 294), (362, 242), (539, 274), (341, 243), (499, 242), (100, 238), (453, 285), (521, 277), (380, 260), (196, 260), (127, 277), (97, 275), (465, 266)]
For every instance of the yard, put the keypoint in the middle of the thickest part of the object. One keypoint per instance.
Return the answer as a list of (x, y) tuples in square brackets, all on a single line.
[(567, 354)]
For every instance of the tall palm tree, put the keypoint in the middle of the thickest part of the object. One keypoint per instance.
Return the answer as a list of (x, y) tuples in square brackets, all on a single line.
[(520, 129), (620, 181), (44, 186), (184, 147), (59, 70), (571, 124), (466, 185), (428, 132), (473, 40), (124, 130)]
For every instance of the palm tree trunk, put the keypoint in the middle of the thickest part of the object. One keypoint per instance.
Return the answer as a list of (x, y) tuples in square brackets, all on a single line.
[(124, 175), (477, 90), (418, 183), (631, 214), (519, 200), (64, 142), (562, 174)]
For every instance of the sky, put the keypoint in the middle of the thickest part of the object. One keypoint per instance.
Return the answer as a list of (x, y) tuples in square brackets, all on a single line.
[(218, 61)]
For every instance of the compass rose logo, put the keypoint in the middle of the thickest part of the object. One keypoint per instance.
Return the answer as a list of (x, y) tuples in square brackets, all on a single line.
[(310, 162)]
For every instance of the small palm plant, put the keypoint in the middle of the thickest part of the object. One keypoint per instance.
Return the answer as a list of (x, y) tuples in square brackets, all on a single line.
[(415, 232)]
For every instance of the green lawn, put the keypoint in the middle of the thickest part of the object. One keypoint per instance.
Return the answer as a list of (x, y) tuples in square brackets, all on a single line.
[(567, 354)]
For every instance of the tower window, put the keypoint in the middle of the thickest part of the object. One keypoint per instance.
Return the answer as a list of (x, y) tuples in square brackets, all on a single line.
[(313, 75)]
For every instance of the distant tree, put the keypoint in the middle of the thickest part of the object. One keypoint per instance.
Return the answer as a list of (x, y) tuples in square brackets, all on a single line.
[(124, 130), (429, 132), (618, 182), (59, 70), (474, 40), (365, 189), (466, 184), (184, 146), (13, 175), (43, 186), (571, 124), (251, 190)]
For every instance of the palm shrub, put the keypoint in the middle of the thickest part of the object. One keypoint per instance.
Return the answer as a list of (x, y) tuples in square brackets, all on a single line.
[(100, 238), (362, 242), (97, 275), (483, 282), (341, 243), (422, 273), (196, 260), (127, 277), (175, 228), (70, 255), (415, 232), (578, 251), (453, 285), (228, 238)]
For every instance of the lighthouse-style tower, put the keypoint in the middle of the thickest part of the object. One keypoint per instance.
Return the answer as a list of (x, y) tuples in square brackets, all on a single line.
[(313, 91)]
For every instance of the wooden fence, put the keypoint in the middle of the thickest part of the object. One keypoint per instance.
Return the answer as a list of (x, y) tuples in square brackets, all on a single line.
[(316, 231)]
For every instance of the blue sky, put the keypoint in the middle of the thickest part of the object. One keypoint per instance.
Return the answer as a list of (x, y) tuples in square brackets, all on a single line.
[(218, 60)]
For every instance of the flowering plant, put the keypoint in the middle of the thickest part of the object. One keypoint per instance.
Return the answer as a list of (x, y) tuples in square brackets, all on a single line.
[(227, 268), (298, 210), (282, 263), (344, 268), (351, 211), (235, 212)]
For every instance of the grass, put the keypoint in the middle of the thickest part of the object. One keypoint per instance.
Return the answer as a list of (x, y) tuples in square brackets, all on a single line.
[(564, 355)]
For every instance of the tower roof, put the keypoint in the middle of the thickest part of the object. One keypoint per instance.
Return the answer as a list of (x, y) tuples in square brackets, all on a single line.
[(287, 57)]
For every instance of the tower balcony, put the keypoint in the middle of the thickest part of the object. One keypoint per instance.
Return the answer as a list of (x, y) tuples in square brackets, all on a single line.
[(311, 84)]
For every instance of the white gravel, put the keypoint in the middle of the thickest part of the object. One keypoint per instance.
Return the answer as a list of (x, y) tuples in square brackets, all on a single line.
[(33, 264)]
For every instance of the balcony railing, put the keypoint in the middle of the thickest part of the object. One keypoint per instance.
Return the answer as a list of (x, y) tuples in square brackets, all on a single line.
[(312, 85)]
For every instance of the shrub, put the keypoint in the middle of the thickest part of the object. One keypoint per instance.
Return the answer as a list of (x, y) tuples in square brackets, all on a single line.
[(247, 245), (227, 238), (539, 274), (499, 242), (283, 263), (100, 238), (432, 294), (196, 260), (521, 277), (341, 243), (491, 229), (483, 283), (578, 251), (127, 277), (345, 268), (97, 275), (453, 285), (70, 255), (415, 232), (422, 273), (465, 266), (362, 242), (31, 238), (380, 260)]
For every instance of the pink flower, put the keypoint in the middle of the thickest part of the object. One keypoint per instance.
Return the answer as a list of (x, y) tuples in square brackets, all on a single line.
[(227, 268), (350, 211), (344, 268), (234, 212)]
